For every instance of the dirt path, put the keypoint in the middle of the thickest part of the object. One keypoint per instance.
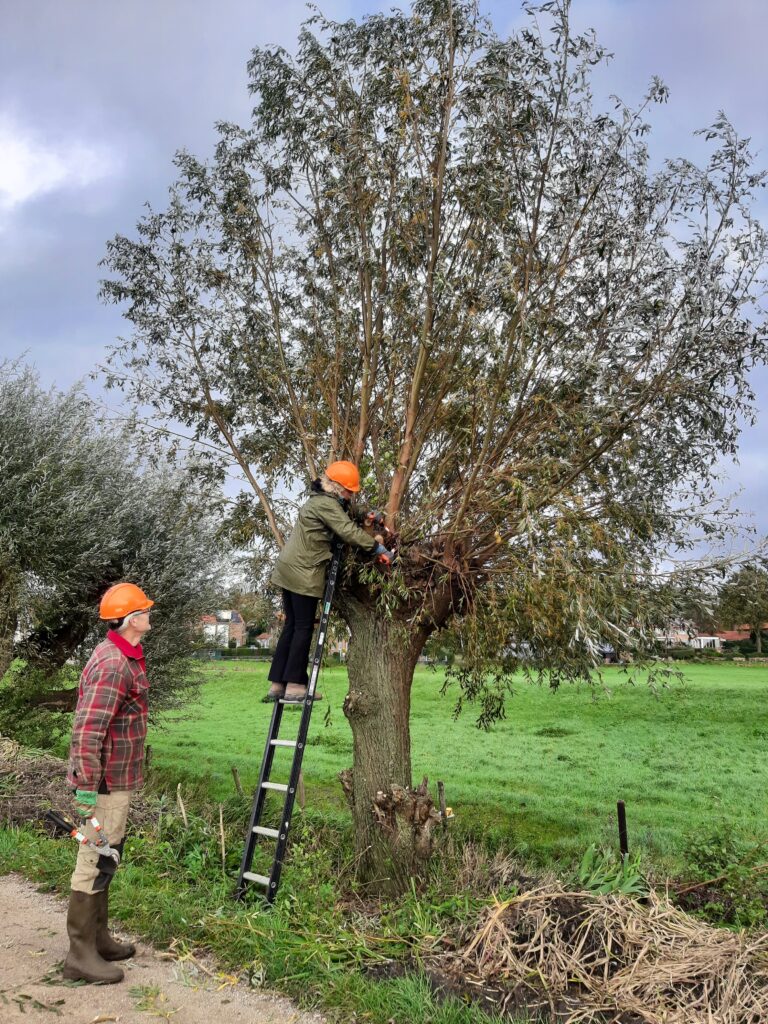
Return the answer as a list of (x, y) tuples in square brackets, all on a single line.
[(33, 943)]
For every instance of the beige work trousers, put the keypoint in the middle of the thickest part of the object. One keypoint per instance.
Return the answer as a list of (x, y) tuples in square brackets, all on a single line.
[(111, 811)]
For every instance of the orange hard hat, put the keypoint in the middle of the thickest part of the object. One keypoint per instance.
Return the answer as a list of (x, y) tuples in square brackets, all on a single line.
[(344, 473), (122, 599)]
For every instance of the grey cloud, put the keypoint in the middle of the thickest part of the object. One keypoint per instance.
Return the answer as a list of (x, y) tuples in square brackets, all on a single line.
[(143, 80)]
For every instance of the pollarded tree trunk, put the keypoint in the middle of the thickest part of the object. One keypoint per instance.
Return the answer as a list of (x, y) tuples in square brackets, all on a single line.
[(393, 822)]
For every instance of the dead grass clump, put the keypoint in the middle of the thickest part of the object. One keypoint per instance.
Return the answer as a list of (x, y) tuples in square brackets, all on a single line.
[(484, 874), (579, 957), (32, 782)]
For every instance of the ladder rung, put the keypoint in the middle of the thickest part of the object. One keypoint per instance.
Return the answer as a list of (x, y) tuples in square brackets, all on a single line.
[(283, 743), (260, 830), (253, 877), (293, 703), (279, 786)]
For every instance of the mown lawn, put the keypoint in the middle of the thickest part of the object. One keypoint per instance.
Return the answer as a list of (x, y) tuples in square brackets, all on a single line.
[(544, 782)]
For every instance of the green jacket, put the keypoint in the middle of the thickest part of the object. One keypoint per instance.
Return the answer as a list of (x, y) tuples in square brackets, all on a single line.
[(302, 564)]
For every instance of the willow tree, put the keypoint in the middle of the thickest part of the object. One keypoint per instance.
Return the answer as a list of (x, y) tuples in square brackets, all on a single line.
[(429, 253), (744, 600)]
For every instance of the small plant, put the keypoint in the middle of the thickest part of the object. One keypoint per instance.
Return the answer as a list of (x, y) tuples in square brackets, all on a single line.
[(602, 872), (150, 999), (714, 852), (732, 876)]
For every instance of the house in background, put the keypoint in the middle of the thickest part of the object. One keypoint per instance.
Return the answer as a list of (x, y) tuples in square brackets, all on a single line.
[(703, 643), (675, 635), (265, 640), (739, 633), (223, 627), (340, 646)]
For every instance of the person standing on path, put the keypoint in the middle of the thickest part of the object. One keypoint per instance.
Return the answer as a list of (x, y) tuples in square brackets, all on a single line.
[(105, 770), (301, 568)]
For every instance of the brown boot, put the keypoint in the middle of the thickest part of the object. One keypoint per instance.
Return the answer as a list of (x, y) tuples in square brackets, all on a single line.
[(83, 961), (276, 692), (295, 693), (108, 947)]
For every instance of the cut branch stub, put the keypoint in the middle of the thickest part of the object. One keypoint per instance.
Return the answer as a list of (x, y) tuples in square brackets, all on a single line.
[(345, 778), (408, 816)]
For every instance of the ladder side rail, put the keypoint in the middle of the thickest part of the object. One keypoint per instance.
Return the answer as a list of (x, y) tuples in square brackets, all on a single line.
[(259, 798), (301, 738)]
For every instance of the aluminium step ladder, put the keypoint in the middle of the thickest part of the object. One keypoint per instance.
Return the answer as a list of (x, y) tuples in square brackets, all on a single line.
[(256, 830)]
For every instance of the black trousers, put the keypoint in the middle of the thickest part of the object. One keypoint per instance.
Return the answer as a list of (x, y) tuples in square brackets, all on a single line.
[(289, 664)]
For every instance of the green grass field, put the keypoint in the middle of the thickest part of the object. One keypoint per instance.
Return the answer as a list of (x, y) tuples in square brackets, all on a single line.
[(542, 785), (544, 782)]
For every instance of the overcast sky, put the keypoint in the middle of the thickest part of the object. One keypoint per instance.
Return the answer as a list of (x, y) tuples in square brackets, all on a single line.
[(96, 95)]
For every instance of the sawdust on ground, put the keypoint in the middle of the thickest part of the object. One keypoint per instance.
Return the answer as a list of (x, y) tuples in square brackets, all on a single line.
[(33, 944)]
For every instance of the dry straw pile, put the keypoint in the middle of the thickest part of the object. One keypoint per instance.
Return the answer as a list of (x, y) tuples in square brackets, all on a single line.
[(577, 957)]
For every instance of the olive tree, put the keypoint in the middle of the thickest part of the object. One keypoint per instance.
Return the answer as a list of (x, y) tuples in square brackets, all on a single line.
[(428, 252), (78, 513)]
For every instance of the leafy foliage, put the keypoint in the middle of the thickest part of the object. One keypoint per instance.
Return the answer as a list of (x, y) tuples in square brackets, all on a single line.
[(744, 599), (601, 871), (736, 871), (429, 253)]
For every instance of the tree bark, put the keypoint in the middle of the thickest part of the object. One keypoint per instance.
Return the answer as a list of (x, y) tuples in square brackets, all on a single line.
[(8, 615), (393, 822)]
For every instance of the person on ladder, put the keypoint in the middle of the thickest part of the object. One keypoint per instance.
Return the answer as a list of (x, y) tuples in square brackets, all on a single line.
[(300, 572)]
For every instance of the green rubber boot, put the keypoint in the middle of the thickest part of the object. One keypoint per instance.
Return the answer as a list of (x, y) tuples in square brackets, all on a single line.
[(84, 963), (108, 947)]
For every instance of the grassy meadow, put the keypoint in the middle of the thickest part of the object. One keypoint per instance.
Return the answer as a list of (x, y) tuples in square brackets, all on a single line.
[(544, 782)]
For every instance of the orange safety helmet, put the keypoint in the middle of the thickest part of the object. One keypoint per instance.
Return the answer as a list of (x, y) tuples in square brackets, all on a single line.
[(344, 473), (122, 599)]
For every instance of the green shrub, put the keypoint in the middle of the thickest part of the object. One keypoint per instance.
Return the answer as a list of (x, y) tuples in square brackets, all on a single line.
[(256, 652), (247, 652), (680, 653), (731, 862), (21, 718)]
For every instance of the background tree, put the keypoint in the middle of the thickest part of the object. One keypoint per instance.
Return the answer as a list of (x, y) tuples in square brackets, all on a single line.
[(744, 600), (430, 254), (78, 513), (256, 608)]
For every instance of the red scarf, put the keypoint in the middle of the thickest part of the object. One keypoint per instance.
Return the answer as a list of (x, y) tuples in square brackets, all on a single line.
[(129, 650)]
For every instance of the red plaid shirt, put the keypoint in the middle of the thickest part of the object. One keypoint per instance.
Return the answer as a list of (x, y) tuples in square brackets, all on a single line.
[(111, 718)]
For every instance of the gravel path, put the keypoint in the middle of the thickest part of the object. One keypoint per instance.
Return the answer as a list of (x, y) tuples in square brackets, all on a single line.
[(33, 944)]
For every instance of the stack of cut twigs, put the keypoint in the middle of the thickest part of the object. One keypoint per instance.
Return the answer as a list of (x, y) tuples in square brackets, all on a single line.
[(582, 957), (32, 782)]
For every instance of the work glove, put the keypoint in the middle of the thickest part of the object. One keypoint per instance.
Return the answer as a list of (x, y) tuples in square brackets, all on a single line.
[(85, 802), (383, 555)]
